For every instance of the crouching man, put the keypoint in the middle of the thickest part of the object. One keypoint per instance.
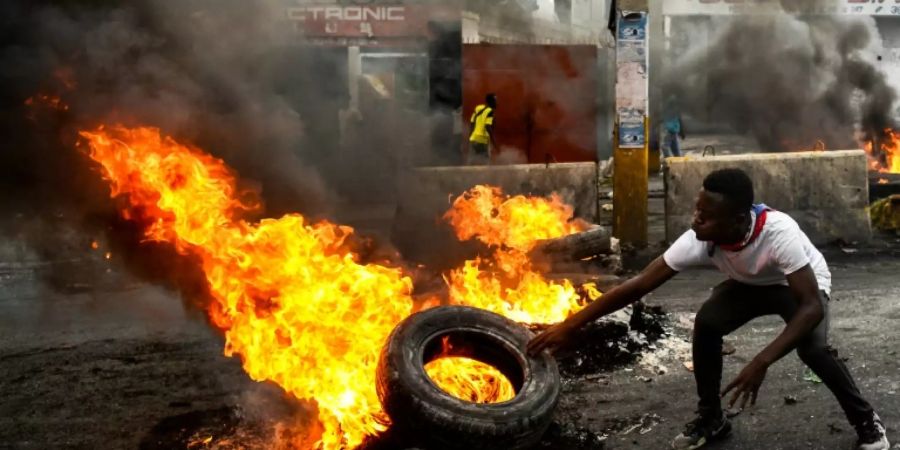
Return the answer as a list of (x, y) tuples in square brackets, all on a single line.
[(773, 268)]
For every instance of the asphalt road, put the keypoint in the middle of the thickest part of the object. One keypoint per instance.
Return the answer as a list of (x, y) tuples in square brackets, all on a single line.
[(104, 362)]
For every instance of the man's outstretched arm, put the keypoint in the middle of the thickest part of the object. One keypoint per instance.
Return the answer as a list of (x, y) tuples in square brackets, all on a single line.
[(654, 275)]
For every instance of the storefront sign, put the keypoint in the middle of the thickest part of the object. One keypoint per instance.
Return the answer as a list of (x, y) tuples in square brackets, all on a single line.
[(359, 20)]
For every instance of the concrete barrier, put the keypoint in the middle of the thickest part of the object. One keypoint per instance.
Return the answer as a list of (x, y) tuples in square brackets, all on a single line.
[(825, 192), (425, 194)]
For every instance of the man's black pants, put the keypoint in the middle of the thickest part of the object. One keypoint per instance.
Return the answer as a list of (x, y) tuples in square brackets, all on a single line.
[(733, 304)]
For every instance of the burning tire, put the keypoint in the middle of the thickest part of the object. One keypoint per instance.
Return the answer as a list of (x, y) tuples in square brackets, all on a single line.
[(417, 406)]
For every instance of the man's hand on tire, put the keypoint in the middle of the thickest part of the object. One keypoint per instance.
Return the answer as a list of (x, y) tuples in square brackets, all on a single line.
[(551, 339)]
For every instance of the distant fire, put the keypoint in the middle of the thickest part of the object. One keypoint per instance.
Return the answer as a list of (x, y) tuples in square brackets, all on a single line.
[(884, 153), (294, 301), (47, 101)]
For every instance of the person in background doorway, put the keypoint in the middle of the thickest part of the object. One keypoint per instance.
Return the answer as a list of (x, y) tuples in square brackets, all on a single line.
[(482, 136), (673, 128)]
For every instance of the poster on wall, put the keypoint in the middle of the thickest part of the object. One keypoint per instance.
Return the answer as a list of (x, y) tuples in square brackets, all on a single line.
[(632, 26), (631, 78), (631, 134), (631, 51)]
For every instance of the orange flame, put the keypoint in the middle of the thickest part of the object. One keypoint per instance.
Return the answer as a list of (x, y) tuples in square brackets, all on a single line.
[(891, 149), (507, 283), (199, 442), (469, 379), (887, 157), (294, 303), (518, 222), (297, 305)]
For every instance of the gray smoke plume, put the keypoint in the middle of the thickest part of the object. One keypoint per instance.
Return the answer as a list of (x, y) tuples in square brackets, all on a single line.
[(211, 73), (788, 79), (507, 14), (227, 76)]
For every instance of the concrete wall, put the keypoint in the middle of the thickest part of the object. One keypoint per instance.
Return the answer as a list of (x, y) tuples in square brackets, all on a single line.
[(425, 195), (825, 192), (487, 27)]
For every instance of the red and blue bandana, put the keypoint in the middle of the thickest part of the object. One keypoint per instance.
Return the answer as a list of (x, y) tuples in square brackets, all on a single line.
[(760, 212)]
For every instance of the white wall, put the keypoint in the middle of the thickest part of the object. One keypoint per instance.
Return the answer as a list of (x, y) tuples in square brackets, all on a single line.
[(545, 10), (585, 13)]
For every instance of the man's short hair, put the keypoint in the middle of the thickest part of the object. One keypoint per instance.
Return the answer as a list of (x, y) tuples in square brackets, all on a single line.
[(733, 184)]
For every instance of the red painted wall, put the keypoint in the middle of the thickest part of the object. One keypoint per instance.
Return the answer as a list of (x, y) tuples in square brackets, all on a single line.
[(547, 96)]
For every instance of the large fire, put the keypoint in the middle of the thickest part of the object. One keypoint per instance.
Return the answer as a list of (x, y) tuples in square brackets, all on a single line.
[(297, 305), (886, 156), (292, 300), (506, 282)]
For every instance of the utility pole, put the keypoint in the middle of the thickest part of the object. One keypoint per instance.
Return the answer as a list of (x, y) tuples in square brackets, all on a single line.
[(630, 155)]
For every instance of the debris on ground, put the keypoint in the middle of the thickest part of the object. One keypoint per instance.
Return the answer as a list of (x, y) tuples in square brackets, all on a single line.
[(668, 348), (642, 424), (558, 436), (790, 400), (671, 346), (728, 348), (810, 376), (885, 213), (612, 342), (215, 428), (570, 437), (685, 321), (231, 428), (597, 378)]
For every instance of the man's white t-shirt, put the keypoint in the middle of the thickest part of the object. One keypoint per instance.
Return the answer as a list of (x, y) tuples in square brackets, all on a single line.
[(780, 249)]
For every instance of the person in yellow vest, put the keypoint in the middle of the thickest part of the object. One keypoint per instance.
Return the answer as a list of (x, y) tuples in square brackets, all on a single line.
[(482, 137)]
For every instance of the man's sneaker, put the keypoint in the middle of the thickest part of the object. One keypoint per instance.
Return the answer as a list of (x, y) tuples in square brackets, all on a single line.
[(872, 435), (702, 431)]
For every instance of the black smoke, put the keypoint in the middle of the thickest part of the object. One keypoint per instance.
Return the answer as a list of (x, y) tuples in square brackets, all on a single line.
[(788, 78), (222, 75), (229, 76)]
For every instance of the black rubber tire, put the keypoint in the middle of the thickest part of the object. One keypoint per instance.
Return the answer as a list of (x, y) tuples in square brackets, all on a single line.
[(440, 421)]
